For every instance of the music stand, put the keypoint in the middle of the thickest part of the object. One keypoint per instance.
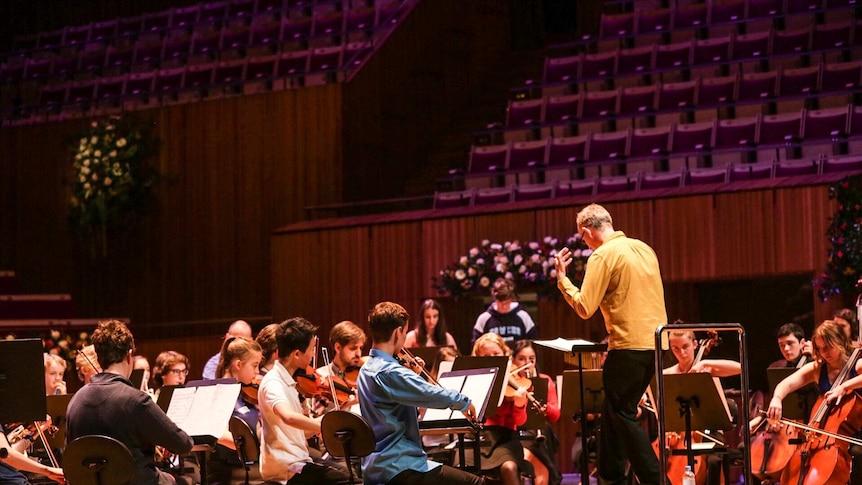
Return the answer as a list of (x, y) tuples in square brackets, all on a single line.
[(803, 406), (57, 406), (535, 419), (97, 460), (500, 362), (594, 392), (348, 435), (22, 381), (696, 402)]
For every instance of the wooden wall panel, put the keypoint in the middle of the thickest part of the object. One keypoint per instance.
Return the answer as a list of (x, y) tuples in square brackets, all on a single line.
[(682, 224)]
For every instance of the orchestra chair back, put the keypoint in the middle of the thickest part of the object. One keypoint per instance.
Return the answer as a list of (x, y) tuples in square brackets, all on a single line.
[(97, 460), (247, 445), (347, 434)]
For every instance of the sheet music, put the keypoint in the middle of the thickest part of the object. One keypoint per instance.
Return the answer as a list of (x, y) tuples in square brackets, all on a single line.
[(474, 383), (456, 383), (562, 344), (205, 410)]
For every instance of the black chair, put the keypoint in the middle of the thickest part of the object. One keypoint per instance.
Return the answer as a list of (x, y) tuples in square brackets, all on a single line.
[(247, 444), (347, 435), (97, 460)]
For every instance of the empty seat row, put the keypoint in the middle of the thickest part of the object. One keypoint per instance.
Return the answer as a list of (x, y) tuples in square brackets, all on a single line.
[(708, 93), (295, 69), (183, 18), (644, 22), (667, 182), (767, 134), (655, 59)]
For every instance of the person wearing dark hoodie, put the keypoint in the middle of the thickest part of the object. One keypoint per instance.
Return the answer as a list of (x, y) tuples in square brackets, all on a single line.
[(504, 316)]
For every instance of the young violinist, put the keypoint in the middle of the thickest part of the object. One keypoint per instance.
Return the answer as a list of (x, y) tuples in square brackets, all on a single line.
[(14, 462), (389, 394), (540, 452), (501, 430), (55, 369), (239, 359), (685, 347), (284, 455), (431, 330), (266, 339), (792, 344), (346, 340), (832, 349), (171, 369), (86, 364)]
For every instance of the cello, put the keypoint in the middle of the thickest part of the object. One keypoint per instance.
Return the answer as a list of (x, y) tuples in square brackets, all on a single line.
[(823, 458)]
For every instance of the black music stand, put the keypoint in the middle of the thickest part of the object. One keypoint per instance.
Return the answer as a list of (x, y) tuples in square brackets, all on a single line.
[(97, 460), (696, 402), (348, 435), (594, 392), (22, 381), (535, 419), (57, 406)]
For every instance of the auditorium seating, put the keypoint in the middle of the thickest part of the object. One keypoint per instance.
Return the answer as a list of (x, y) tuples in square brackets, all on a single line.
[(186, 52)]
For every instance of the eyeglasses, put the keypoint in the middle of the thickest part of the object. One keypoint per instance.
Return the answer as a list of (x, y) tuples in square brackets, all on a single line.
[(179, 372), (583, 231)]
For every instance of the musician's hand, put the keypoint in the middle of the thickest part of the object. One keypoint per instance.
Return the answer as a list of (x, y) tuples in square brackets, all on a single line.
[(702, 366), (55, 474), (836, 393), (775, 409), (562, 261), (59, 388), (419, 361), (808, 348), (470, 413), (520, 397)]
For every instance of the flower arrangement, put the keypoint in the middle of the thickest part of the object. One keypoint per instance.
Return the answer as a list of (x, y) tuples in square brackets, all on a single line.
[(109, 180), (529, 265), (845, 239)]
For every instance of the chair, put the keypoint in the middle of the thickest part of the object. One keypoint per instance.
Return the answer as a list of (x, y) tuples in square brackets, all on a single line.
[(653, 20), (561, 109), (347, 435), (706, 176), (839, 77), (613, 26), (764, 8), (727, 12), (780, 129), (751, 46), (526, 113), (265, 34), (78, 35), (609, 147), (650, 143), (609, 185), (110, 89), (446, 200), (636, 60), (711, 51), (638, 100), (355, 54), (794, 168), (176, 50), (360, 20), (81, 93), (689, 16), (673, 56), (735, 135), (157, 21), (534, 192), (97, 460), (139, 84), (599, 104), (799, 82), (757, 86), (569, 153), (650, 181), (749, 171), (677, 96), (692, 138), (240, 10), (247, 444), (831, 36), (571, 188), (789, 42), (102, 31), (527, 155), (598, 66), (493, 195), (213, 12), (841, 165), (562, 69), (185, 17), (488, 159)]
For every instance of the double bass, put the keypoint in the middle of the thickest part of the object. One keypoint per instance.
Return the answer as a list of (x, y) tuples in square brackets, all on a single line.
[(822, 458)]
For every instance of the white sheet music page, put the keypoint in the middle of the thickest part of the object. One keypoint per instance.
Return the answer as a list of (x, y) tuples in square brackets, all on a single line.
[(451, 382), (562, 344), (205, 410)]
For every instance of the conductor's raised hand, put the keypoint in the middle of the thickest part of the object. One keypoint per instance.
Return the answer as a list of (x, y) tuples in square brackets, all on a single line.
[(562, 261)]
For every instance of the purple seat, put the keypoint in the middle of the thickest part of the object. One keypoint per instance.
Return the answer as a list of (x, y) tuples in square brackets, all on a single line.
[(177, 49), (328, 24), (692, 138), (38, 70), (524, 113), (636, 60), (155, 22), (716, 91), (727, 12), (361, 19), (229, 73), (751, 46), (841, 76), (675, 96), (206, 45), (825, 124), (213, 12), (240, 10), (235, 39), (139, 84), (789, 42), (855, 125), (619, 25), (780, 129), (493, 195), (488, 159), (260, 68), (51, 40), (690, 16), (533, 192), (110, 88), (325, 59), (168, 81), (79, 35), (11, 73), (608, 147), (673, 56), (799, 82), (445, 200), (355, 54), (129, 26), (764, 8), (753, 171), (295, 29), (567, 151), (562, 109), (119, 59), (638, 100), (270, 6), (711, 51), (841, 165), (265, 34), (653, 20), (599, 104), (574, 188), (81, 92), (198, 77), (52, 97), (91, 60), (757, 86), (609, 185), (706, 176), (735, 134), (64, 67), (598, 66), (102, 31), (794, 168), (649, 142), (147, 54), (650, 181), (830, 36), (801, 6), (185, 17), (292, 64), (527, 155), (562, 69)]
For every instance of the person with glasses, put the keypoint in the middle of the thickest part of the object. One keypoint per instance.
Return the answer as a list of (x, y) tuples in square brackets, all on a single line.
[(171, 369), (109, 405)]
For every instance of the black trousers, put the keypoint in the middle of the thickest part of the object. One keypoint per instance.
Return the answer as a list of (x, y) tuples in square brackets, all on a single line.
[(625, 376), (442, 475), (318, 473)]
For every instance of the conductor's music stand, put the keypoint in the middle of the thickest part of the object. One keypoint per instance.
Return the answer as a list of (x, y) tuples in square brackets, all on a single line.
[(97, 460), (348, 435), (695, 401)]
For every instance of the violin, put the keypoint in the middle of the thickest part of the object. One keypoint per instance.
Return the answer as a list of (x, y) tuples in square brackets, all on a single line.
[(249, 391), (308, 382)]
